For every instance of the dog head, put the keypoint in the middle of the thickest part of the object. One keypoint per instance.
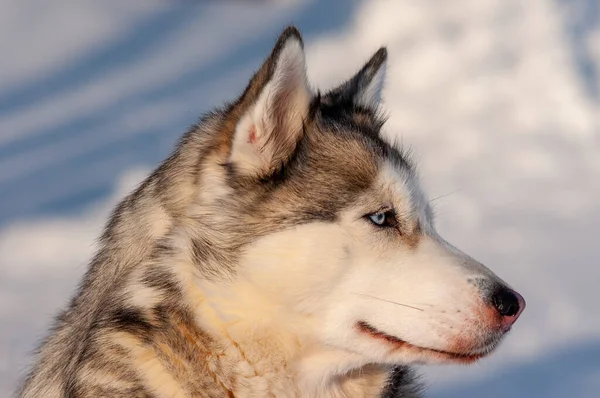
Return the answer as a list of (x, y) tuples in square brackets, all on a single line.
[(327, 230)]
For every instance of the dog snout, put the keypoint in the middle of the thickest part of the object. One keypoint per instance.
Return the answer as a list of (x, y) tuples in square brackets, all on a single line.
[(509, 305)]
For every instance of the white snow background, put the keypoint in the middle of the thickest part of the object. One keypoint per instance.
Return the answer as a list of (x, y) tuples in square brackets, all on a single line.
[(499, 99)]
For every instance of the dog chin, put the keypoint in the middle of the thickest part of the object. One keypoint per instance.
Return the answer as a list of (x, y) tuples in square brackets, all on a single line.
[(422, 355)]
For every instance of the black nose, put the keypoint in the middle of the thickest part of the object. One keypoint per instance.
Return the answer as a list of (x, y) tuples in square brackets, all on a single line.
[(506, 302)]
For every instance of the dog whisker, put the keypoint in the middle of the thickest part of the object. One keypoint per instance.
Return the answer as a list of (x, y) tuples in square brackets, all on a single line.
[(389, 301), (444, 195)]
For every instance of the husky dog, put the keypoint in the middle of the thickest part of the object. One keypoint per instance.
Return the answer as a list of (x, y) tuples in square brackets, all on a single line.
[(284, 249)]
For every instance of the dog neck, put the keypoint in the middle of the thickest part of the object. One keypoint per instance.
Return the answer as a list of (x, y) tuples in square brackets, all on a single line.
[(263, 349)]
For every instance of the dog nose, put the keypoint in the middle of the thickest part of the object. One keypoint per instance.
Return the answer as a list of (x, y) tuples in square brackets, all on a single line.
[(509, 305)]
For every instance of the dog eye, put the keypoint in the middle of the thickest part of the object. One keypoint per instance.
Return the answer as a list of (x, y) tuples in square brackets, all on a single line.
[(384, 219)]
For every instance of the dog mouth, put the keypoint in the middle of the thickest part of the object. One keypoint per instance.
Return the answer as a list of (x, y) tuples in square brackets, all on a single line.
[(423, 353)]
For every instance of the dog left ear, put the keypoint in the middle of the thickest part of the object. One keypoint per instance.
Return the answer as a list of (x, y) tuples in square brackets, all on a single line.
[(364, 88), (279, 97)]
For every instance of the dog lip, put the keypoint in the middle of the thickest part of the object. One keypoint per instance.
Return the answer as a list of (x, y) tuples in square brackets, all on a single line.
[(398, 343)]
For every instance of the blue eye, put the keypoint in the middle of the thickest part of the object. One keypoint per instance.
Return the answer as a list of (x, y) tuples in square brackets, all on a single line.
[(377, 218), (383, 219)]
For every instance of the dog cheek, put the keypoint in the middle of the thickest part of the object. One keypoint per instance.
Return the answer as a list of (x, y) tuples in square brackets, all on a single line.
[(297, 268)]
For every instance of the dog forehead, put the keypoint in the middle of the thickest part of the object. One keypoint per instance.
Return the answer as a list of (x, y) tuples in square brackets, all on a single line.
[(343, 149), (350, 132), (395, 177), (400, 186)]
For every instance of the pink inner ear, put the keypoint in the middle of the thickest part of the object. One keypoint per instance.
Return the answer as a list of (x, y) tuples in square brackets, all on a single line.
[(252, 135)]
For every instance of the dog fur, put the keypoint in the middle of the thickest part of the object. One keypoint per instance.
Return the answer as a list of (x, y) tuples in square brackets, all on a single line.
[(252, 262)]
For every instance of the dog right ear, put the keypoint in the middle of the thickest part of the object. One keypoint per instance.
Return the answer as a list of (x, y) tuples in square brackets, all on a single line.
[(275, 104)]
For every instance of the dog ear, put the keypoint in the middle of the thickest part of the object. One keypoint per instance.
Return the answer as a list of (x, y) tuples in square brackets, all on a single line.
[(364, 88), (277, 102)]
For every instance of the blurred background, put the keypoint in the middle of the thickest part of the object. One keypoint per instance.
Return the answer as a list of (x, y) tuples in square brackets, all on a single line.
[(499, 99)]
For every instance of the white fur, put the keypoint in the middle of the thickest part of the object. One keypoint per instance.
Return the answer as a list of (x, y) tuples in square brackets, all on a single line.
[(370, 96), (143, 297)]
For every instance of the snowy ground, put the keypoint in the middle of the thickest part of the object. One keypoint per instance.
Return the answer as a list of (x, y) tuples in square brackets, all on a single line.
[(500, 99)]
